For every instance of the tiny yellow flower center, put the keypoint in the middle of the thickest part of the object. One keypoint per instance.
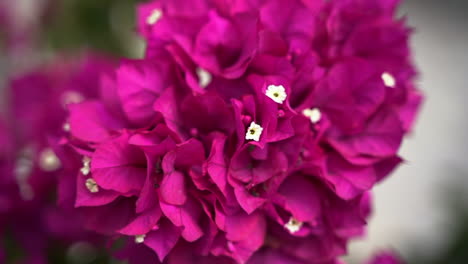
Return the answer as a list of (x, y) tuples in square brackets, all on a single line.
[(276, 93), (254, 132)]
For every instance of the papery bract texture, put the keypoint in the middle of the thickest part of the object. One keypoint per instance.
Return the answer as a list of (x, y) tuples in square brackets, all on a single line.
[(251, 132)]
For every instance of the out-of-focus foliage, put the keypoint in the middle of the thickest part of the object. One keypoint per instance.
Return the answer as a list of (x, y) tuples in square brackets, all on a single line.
[(104, 25), (58, 26), (456, 250), (62, 27)]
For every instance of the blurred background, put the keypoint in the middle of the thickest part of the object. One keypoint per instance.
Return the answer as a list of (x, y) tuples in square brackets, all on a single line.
[(421, 211)]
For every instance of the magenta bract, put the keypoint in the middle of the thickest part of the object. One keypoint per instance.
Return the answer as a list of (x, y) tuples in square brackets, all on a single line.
[(251, 132)]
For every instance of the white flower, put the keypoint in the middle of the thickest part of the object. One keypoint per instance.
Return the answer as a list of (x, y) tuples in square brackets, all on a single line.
[(204, 77), (314, 114), (48, 161), (254, 132), (71, 97), (154, 17), (276, 93), (86, 166), (92, 186), (66, 127), (388, 80), (23, 168), (293, 225), (140, 239)]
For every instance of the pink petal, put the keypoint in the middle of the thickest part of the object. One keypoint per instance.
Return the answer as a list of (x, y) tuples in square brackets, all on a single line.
[(143, 223), (86, 198), (119, 166), (302, 198), (172, 190), (90, 121), (186, 216), (163, 240)]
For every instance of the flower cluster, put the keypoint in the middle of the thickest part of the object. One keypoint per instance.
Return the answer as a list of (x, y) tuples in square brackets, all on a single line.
[(30, 221), (251, 132)]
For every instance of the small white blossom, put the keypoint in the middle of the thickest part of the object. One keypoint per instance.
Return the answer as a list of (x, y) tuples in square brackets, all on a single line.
[(22, 171), (86, 166), (66, 127), (71, 97), (48, 161), (389, 80), (204, 77), (154, 17), (293, 225), (277, 93), (91, 185), (314, 114), (254, 132), (140, 239)]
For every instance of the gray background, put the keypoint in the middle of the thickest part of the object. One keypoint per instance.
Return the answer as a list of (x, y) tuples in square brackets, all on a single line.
[(410, 210)]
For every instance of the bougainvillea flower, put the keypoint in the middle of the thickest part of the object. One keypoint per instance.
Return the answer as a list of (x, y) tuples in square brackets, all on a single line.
[(250, 132), (29, 162)]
